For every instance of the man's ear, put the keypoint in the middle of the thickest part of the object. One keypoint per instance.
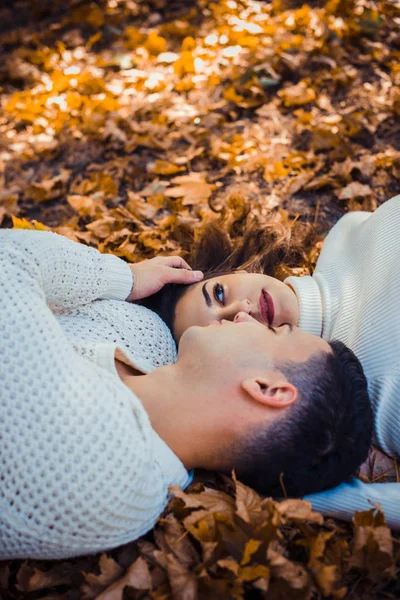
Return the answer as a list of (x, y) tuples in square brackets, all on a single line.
[(275, 392)]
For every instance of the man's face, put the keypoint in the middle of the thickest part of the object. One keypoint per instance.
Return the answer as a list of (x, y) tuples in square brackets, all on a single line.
[(225, 348), (268, 300)]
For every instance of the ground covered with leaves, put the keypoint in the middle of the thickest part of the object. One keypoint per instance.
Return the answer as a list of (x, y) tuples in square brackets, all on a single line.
[(129, 124)]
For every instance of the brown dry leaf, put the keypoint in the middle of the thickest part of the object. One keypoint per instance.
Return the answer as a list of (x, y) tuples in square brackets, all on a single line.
[(295, 184), (373, 545), (230, 564), (50, 187), (8, 203), (354, 190), (87, 206), (299, 510), (297, 95), (192, 188), (365, 164), (212, 500), (109, 572), (102, 228), (137, 576), (174, 540), (293, 574), (30, 579), (154, 188), (4, 575), (98, 182), (144, 209), (248, 502), (183, 582)]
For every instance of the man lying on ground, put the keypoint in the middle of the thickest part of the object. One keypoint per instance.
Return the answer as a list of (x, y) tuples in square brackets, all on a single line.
[(86, 458)]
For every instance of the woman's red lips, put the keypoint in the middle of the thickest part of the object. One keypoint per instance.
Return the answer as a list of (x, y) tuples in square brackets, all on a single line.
[(271, 308), (267, 308)]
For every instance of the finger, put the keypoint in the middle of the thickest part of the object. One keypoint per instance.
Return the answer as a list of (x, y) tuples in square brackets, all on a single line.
[(175, 261), (184, 276)]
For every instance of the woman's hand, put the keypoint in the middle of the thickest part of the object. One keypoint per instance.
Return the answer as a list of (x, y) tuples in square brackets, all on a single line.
[(151, 275)]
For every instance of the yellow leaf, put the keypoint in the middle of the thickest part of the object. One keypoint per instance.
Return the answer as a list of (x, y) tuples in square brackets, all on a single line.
[(251, 548), (155, 44), (163, 167), (25, 224), (275, 170), (184, 64), (93, 39), (21, 223), (232, 96), (188, 44)]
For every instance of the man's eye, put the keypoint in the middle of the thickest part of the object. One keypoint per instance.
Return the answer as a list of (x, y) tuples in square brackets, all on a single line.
[(219, 293)]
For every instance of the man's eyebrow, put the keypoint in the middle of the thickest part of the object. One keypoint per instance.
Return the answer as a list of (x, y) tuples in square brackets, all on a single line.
[(206, 295)]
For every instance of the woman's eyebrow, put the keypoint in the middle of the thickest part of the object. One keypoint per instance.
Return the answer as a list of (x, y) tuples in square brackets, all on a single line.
[(206, 296)]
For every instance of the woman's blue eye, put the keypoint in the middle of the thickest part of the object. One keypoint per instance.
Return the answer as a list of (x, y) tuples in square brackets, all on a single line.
[(219, 293)]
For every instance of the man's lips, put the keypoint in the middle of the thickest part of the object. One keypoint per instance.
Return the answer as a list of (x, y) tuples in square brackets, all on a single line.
[(267, 308)]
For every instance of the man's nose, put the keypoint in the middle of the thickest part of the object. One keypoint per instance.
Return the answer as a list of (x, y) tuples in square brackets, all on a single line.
[(242, 317)]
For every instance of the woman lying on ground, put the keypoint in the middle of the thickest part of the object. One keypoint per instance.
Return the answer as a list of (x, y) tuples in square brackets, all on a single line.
[(86, 459), (353, 296)]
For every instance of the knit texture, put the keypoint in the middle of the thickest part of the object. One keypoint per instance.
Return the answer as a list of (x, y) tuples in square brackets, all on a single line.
[(81, 468), (353, 296), (143, 336)]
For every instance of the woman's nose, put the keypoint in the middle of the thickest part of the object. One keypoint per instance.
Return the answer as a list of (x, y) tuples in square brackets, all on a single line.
[(234, 308)]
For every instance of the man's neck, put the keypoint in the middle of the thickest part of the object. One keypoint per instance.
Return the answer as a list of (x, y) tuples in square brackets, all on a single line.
[(164, 396)]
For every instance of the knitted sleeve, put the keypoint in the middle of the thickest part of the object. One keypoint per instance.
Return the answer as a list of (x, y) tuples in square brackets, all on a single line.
[(76, 446), (341, 502), (69, 273)]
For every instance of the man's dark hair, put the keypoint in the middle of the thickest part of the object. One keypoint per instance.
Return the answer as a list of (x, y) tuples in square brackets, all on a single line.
[(322, 438)]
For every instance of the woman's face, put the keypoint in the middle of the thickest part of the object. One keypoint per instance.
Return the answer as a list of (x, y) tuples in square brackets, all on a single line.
[(266, 299)]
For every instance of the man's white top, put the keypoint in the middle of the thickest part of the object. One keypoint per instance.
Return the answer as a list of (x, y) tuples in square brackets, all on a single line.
[(354, 296), (81, 469)]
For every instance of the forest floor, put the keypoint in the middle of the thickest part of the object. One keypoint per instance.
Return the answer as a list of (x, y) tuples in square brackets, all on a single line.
[(128, 125)]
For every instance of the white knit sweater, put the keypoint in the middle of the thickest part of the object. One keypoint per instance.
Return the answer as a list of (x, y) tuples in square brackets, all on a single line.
[(354, 296), (81, 468)]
